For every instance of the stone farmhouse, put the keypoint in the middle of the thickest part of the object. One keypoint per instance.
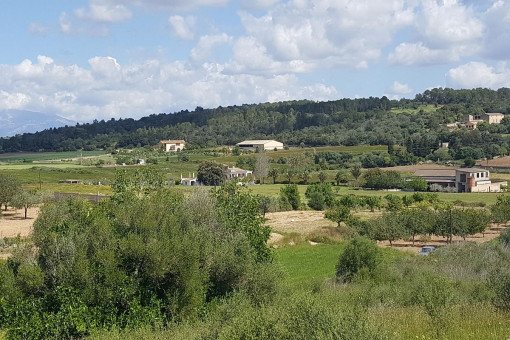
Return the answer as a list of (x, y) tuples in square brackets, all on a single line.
[(471, 121), (172, 145), (261, 144), (463, 179)]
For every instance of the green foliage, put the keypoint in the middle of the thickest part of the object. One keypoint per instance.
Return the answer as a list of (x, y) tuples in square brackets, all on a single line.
[(143, 261), (393, 202), (9, 186), (360, 256), (417, 184), (338, 214), (320, 196), (434, 294), (210, 173), (290, 194), (378, 179), (239, 210), (501, 210)]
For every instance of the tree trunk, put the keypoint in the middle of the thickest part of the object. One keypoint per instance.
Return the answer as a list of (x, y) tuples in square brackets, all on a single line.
[(26, 209)]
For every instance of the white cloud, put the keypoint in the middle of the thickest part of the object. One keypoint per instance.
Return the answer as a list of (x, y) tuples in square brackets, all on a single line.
[(416, 54), (477, 74), (444, 31), (104, 12), (327, 33), (182, 27), (38, 28), (259, 4), (399, 88), (168, 4), (204, 49), (109, 89), (497, 36), (64, 22), (447, 22)]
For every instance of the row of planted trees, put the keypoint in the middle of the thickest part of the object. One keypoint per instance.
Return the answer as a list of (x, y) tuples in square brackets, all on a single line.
[(420, 214), (11, 194)]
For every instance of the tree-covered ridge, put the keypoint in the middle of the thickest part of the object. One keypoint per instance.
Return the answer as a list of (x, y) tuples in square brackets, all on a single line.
[(342, 122)]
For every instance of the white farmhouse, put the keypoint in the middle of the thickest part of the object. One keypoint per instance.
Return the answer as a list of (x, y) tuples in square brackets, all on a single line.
[(172, 145)]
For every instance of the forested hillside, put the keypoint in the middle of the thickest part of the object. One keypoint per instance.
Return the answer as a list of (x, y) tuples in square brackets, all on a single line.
[(418, 124)]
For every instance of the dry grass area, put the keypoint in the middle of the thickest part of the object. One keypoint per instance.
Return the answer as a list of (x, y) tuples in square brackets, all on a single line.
[(302, 222), (13, 222), (496, 162)]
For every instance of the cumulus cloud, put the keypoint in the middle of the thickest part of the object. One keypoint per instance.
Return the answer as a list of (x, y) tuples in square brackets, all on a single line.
[(478, 74), (399, 88), (101, 12), (207, 43), (417, 54), (448, 22), (444, 31), (496, 42), (64, 22), (166, 4), (327, 33), (259, 4), (109, 89), (182, 27)]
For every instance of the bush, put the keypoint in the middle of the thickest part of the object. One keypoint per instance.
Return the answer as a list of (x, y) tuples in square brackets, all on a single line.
[(360, 256), (291, 193)]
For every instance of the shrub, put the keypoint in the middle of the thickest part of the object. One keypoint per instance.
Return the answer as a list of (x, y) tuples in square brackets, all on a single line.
[(360, 255), (291, 193)]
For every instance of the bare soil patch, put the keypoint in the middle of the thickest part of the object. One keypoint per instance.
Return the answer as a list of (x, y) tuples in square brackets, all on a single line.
[(503, 162), (302, 222), (13, 222)]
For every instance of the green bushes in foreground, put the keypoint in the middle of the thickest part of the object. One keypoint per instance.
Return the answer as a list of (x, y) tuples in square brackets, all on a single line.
[(135, 261)]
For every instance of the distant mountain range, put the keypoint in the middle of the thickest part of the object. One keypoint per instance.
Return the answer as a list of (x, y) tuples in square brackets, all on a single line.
[(13, 122)]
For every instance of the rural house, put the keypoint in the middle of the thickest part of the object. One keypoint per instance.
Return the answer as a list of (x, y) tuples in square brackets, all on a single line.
[(233, 172), (262, 144), (463, 179), (471, 121), (172, 145), (190, 180)]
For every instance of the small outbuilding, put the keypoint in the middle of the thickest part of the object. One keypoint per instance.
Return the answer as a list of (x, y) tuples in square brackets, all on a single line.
[(260, 144)]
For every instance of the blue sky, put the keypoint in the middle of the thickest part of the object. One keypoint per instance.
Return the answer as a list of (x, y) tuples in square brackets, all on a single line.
[(97, 59)]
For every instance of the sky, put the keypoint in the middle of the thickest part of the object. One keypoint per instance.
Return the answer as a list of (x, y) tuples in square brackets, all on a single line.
[(102, 59)]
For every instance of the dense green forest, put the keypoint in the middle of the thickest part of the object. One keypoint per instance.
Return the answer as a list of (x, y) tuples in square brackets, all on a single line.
[(372, 121)]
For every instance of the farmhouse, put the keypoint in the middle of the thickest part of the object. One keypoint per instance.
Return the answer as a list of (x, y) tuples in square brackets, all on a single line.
[(463, 179), (262, 144), (471, 121), (190, 180), (172, 145), (233, 172)]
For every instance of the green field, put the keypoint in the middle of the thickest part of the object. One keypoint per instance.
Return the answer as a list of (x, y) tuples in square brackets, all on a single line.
[(426, 108), (28, 157)]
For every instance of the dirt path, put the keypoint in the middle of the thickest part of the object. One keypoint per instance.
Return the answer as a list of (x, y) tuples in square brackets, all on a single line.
[(13, 223)]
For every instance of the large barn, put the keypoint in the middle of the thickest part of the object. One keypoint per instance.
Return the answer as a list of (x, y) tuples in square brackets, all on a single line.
[(261, 144)]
